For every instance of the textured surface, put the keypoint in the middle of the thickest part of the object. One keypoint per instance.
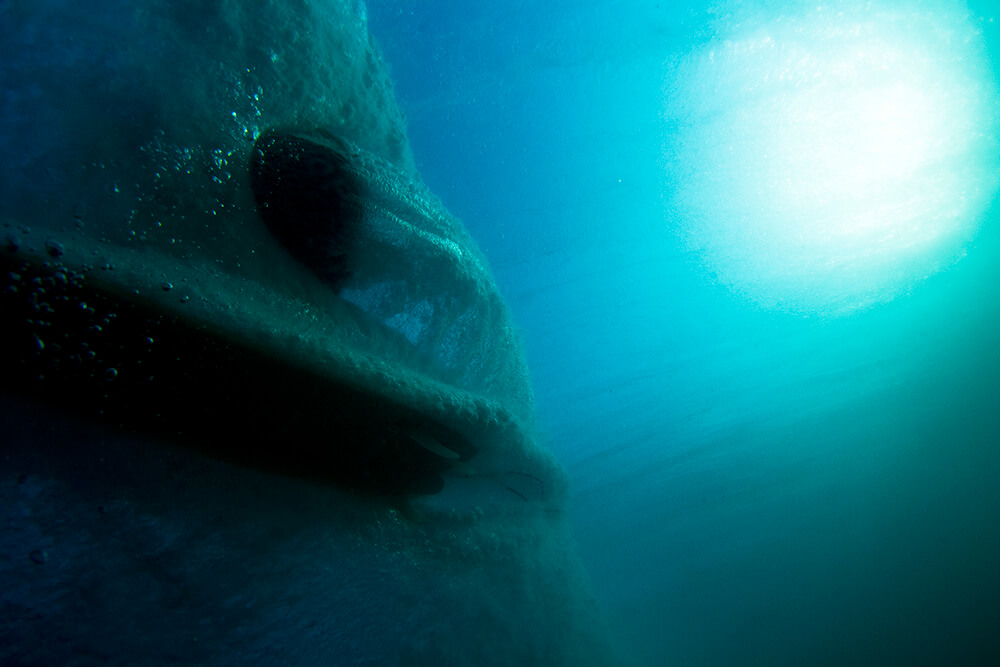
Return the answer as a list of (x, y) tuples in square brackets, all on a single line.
[(119, 550), (232, 400)]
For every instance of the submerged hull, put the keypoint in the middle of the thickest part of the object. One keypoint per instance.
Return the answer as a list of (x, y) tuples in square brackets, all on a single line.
[(121, 550), (214, 453)]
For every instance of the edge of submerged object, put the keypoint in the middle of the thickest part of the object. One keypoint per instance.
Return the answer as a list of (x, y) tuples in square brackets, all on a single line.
[(208, 367)]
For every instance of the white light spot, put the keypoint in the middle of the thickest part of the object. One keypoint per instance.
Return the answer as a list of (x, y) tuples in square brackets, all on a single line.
[(825, 163)]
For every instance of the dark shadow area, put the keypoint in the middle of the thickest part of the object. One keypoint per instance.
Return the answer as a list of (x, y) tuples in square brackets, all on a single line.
[(309, 198), (70, 342)]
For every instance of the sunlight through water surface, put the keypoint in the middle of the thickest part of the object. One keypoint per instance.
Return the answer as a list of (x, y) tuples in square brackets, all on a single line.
[(824, 162)]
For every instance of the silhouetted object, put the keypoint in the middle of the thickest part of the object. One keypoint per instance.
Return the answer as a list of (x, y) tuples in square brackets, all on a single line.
[(310, 199)]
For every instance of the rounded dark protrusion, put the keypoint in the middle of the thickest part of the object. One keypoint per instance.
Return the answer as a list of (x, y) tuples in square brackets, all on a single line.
[(54, 248), (309, 198)]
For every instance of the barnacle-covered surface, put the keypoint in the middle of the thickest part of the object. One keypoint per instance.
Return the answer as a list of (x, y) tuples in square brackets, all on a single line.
[(272, 466), (130, 134)]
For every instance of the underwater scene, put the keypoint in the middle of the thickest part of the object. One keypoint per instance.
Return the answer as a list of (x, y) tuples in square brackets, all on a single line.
[(436, 332)]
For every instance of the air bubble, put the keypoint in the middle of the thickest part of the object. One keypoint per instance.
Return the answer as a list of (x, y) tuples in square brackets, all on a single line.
[(54, 248)]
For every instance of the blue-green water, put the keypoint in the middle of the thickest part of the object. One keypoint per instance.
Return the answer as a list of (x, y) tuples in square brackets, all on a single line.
[(777, 455), (750, 250)]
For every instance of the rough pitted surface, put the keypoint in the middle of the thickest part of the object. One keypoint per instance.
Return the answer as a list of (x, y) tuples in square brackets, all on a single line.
[(151, 296)]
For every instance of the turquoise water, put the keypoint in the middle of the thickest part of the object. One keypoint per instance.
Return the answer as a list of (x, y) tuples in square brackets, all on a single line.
[(750, 250), (759, 299)]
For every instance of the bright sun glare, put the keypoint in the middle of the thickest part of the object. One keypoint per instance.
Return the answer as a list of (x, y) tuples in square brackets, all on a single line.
[(827, 162)]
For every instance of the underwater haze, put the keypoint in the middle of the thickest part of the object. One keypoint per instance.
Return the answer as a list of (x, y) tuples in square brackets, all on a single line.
[(751, 248)]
